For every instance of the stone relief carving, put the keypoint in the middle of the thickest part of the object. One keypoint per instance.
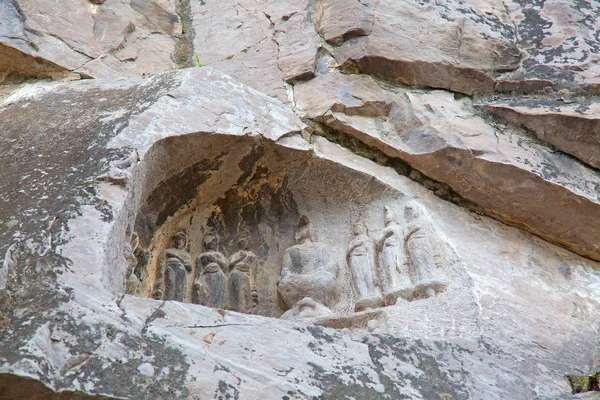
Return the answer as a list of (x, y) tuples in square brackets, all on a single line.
[(424, 251), (360, 257), (404, 261), (132, 282), (394, 274), (309, 271), (242, 293), (178, 263), (210, 283)]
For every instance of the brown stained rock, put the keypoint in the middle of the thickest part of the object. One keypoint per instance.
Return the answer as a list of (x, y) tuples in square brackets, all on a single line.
[(515, 179), (16, 66), (349, 94), (451, 45), (338, 21), (298, 44), (572, 128)]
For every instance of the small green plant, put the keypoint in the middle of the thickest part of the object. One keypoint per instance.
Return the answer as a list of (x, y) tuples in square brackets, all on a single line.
[(585, 383), (198, 61)]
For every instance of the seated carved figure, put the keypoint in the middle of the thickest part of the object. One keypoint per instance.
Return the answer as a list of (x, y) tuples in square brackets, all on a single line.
[(242, 265), (309, 270), (210, 284), (178, 263), (424, 251)]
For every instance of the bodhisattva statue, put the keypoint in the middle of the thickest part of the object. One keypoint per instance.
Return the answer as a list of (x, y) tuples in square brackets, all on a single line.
[(178, 263), (132, 282), (242, 265), (309, 271), (360, 259), (210, 284), (395, 278), (424, 251)]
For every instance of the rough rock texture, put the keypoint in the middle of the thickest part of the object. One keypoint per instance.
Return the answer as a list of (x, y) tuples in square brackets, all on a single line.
[(448, 44), (559, 40), (93, 39), (264, 44), (572, 128), (495, 167), (525, 315), (481, 111)]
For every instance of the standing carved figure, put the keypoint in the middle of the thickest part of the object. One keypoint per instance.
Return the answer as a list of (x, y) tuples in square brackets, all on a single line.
[(395, 278), (178, 263), (132, 282), (360, 260), (242, 265), (210, 284), (309, 271), (424, 251)]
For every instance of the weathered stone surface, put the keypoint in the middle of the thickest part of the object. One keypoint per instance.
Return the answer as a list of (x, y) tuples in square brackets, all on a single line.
[(450, 44), (119, 38), (517, 316), (573, 128), (495, 167), (339, 21), (560, 45), (262, 44)]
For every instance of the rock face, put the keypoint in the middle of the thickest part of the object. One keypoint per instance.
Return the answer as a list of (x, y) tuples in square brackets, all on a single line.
[(351, 199), (495, 167), (446, 44), (572, 128), (92, 38)]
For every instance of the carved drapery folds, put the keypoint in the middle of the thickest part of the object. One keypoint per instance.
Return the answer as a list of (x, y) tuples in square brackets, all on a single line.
[(360, 258), (242, 293), (210, 283), (402, 259), (308, 278), (424, 252), (178, 263)]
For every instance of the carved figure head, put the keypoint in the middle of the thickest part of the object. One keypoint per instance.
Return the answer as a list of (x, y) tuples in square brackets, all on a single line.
[(358, 228), (179, 240), (390, 216), (413, 211), (243, 242), (243, 238), (305, 231), (211, 241)]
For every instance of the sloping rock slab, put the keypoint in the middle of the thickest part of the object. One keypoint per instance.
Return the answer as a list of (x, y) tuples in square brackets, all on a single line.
[(514, 178), (451, 44), (97, 39), (572, 128)]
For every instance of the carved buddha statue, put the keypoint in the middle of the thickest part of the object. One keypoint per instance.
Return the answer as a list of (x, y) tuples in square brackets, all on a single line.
[(395, 278), (242, 266), (360, 258), (178, 263), (424, 251), (309, 270), (210, 284)]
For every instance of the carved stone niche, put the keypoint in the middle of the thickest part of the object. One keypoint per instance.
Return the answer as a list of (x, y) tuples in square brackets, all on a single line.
[(247, 225)]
